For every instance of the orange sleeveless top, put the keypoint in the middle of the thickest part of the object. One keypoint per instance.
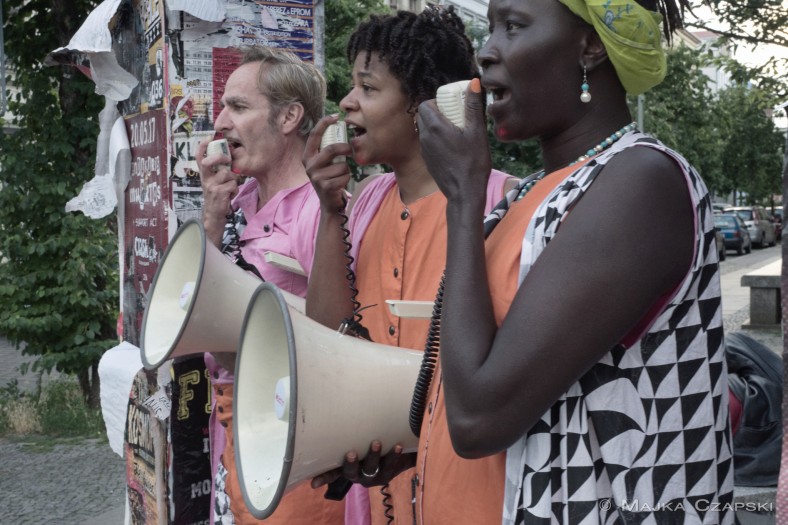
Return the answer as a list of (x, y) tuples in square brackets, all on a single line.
[(451, 489)]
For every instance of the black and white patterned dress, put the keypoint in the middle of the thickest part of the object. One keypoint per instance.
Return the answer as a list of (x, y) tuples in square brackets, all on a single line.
[(643, 437)]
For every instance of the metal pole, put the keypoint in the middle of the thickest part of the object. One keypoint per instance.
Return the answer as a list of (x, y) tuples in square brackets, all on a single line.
[(641, 103), (2, 64)]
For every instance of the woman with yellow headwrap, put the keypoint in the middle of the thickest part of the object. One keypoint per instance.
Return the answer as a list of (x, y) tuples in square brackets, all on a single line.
[(581, 375)]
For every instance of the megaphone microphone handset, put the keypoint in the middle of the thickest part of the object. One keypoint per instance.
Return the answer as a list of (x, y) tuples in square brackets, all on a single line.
[(334, 134), (219, 146), (450, 100)]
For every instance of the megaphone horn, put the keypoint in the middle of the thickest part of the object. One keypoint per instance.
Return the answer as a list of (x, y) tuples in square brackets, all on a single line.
[(305, 395), (197, 301)]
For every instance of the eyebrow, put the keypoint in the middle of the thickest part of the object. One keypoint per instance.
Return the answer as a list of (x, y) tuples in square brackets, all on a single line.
[(232, 101), (365, 74)]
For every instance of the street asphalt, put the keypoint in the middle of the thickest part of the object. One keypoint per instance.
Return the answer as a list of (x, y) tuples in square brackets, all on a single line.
[(83, 482)]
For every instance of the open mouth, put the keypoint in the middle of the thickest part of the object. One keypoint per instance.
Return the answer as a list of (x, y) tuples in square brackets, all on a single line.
[(355, 131), (495, 94), (233, 144)]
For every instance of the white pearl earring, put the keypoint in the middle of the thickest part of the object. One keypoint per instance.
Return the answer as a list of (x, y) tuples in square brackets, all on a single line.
[(585, 96)]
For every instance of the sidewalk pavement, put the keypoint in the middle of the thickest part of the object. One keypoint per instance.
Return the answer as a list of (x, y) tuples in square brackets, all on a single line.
[(84, 483)]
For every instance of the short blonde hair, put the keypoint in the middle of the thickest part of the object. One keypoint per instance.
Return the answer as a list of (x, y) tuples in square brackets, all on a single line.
[(286, 80)]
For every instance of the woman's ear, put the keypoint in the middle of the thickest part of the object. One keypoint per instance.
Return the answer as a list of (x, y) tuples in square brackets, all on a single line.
[(290, 117), (594, 52)]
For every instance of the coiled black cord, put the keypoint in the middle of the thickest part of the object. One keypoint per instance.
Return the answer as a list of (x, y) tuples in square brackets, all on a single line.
[(351, 325), (389, 508), (428, 363)]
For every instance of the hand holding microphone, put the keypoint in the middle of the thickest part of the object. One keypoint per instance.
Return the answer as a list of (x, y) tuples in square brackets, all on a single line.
[(219, 185), (324, 160), (453, 137)]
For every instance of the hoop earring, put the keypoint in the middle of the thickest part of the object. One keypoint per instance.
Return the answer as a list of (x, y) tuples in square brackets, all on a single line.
[(585, 96)]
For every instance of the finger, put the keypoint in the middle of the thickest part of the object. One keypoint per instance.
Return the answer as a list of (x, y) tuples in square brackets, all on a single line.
[(350, 468), (221, 182), (336, 149), (474, 102), (316, 135), (323, 167), (372, 461), (202, 147), (326, 478)]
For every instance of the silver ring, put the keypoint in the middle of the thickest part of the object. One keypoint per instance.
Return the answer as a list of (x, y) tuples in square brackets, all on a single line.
[(370, 475)]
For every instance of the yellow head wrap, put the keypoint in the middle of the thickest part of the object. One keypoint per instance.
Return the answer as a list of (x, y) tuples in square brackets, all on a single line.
[(632, 38)]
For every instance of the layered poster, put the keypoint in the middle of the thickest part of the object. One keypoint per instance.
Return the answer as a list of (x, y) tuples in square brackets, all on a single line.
[(206, 53), (139, 46), (181, 63), (145, 450)]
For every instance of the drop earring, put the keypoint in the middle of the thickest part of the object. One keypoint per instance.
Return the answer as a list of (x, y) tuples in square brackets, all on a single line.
[(585, 96), (415, 125)]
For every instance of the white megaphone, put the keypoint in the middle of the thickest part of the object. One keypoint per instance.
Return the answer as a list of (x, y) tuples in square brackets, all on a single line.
[(305, 395), (197, 301)]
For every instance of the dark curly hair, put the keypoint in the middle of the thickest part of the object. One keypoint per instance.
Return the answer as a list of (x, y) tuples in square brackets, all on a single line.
[(423, 51)]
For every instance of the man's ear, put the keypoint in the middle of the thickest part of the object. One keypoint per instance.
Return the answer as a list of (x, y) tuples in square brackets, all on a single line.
[(594, 52), (290, 117)]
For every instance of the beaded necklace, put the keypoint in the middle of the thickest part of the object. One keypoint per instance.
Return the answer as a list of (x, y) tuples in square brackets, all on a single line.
[(530, 181)]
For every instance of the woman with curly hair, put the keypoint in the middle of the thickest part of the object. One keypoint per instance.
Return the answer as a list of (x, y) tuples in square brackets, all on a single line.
[(397, 220)]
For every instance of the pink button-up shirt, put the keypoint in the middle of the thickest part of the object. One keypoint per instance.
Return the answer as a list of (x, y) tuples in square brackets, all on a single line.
[(286, 224)]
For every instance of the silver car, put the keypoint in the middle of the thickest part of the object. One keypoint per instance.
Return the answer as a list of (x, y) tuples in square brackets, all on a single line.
[(758, 222)]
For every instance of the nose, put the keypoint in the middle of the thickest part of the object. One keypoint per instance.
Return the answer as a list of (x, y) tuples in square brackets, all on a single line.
[(222, 122), (349, 102), (488, 54)]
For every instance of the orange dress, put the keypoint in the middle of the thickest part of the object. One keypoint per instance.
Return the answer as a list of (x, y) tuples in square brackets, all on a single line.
[(451, 489), (400, 259), (402, 255)]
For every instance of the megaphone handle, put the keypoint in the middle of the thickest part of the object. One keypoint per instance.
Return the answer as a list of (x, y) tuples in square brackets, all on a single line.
[(338, 489)]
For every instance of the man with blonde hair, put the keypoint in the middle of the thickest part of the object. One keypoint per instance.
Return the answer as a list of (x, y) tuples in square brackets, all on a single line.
[(270, 104)]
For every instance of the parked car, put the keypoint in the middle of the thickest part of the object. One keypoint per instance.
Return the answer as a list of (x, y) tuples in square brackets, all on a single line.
[(759, 224), (778, 221), (734, 231), (720, 238)]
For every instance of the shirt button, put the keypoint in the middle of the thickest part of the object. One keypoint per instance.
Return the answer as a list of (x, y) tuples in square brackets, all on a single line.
[(220, 408), (224, 424), (396, 272), (216, 375), (404, 215), (220, 392), (266, 228), (392, 330)]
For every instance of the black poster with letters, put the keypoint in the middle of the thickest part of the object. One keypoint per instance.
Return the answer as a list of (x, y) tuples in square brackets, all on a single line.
[(190, 458)]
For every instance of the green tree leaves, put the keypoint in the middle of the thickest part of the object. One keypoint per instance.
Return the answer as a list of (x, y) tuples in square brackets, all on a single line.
[(342, 17), (58, 270), (728, 136)]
